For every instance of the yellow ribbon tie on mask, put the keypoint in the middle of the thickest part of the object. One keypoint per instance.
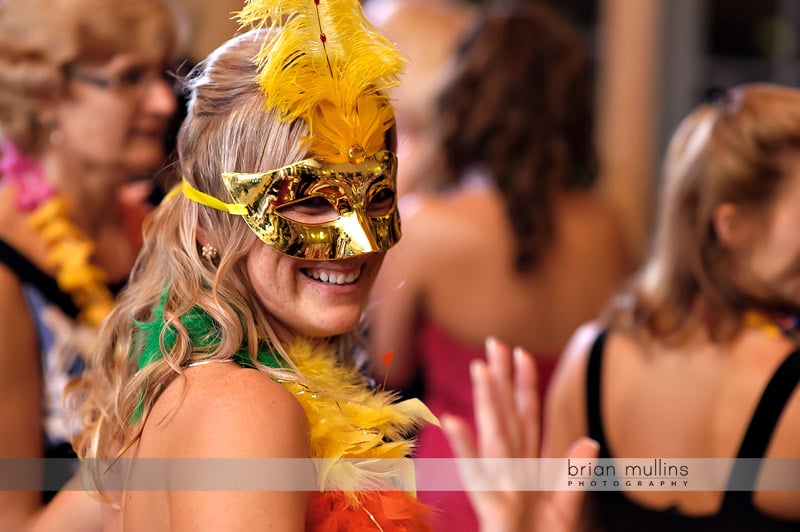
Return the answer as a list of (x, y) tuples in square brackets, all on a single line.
[(210, 201)]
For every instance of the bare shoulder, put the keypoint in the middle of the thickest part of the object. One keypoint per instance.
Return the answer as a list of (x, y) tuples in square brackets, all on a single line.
[(423, 208), (428, 219), (20, 394), (221, 409), (459, 217), (588, 209), (565, 410), (419, 210), (10, 285), (17, 232), (10, 288), (595, 226), (589, 204), (17, 332)]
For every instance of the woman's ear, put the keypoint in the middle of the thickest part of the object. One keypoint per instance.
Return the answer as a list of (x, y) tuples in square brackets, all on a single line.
[(207, 250), (202, 234), (734, 226)]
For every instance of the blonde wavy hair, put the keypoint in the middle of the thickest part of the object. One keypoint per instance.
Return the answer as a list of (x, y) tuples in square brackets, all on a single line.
[(41, 39), (729, 150), (227, 129)]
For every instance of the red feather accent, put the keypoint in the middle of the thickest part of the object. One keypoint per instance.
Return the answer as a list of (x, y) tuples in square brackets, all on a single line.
[(393, 511), (387, 358)]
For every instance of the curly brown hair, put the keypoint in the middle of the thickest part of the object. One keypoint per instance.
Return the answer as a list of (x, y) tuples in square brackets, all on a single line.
[(519, 107)]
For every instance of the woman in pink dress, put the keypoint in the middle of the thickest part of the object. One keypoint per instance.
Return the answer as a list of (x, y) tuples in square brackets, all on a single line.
[(519, 247)]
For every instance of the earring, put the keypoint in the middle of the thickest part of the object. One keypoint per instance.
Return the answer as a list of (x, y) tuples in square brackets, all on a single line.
[(209, 252)]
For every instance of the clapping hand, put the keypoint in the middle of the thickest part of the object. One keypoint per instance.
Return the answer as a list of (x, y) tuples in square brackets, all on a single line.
[(507, 416)]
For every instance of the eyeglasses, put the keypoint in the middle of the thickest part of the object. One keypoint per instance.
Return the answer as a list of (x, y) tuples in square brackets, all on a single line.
[(129, 80)]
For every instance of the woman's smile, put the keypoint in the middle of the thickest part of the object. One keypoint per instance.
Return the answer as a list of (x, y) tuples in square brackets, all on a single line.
[(327, 275)]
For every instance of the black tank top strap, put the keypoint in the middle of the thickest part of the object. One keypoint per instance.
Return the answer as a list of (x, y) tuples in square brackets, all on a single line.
[(759, 433), (593, 393), (28, 273)]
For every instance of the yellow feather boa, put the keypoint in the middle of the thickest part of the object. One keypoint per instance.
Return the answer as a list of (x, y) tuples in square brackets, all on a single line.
[(349, 421)]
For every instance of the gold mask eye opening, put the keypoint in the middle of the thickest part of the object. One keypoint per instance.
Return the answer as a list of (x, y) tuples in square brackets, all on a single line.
[(311, 210), (381, 203)]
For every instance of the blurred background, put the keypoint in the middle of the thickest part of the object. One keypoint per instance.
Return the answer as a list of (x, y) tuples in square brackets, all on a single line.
[(657, 59), (654, 61)]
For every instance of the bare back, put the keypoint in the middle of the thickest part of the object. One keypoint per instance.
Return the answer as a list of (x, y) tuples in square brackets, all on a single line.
[(473, 291), (692, 401), (454, 266)]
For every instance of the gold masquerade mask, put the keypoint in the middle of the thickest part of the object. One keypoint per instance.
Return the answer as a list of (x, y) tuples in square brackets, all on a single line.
[(329, 67), (314, 211)]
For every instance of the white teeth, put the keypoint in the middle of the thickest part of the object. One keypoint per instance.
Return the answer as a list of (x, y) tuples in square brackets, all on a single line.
[(334, 277)]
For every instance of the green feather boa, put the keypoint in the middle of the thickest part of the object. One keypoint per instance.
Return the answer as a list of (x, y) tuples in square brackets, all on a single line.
[(204, 334)]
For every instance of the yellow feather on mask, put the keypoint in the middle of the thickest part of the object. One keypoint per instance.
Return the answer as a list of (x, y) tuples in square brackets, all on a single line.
[(328, 66)]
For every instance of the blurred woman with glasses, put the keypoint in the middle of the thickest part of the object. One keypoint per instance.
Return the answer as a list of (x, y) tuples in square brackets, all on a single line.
[(84, 109)]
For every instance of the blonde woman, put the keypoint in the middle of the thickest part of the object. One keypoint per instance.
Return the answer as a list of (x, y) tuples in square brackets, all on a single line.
[(700, 358), (232, 338)]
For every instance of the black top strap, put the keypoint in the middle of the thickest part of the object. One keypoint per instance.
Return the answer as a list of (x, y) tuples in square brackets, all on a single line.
[(737, 511), (770, 407), (593, 394), (762, 425), (28, 273)]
